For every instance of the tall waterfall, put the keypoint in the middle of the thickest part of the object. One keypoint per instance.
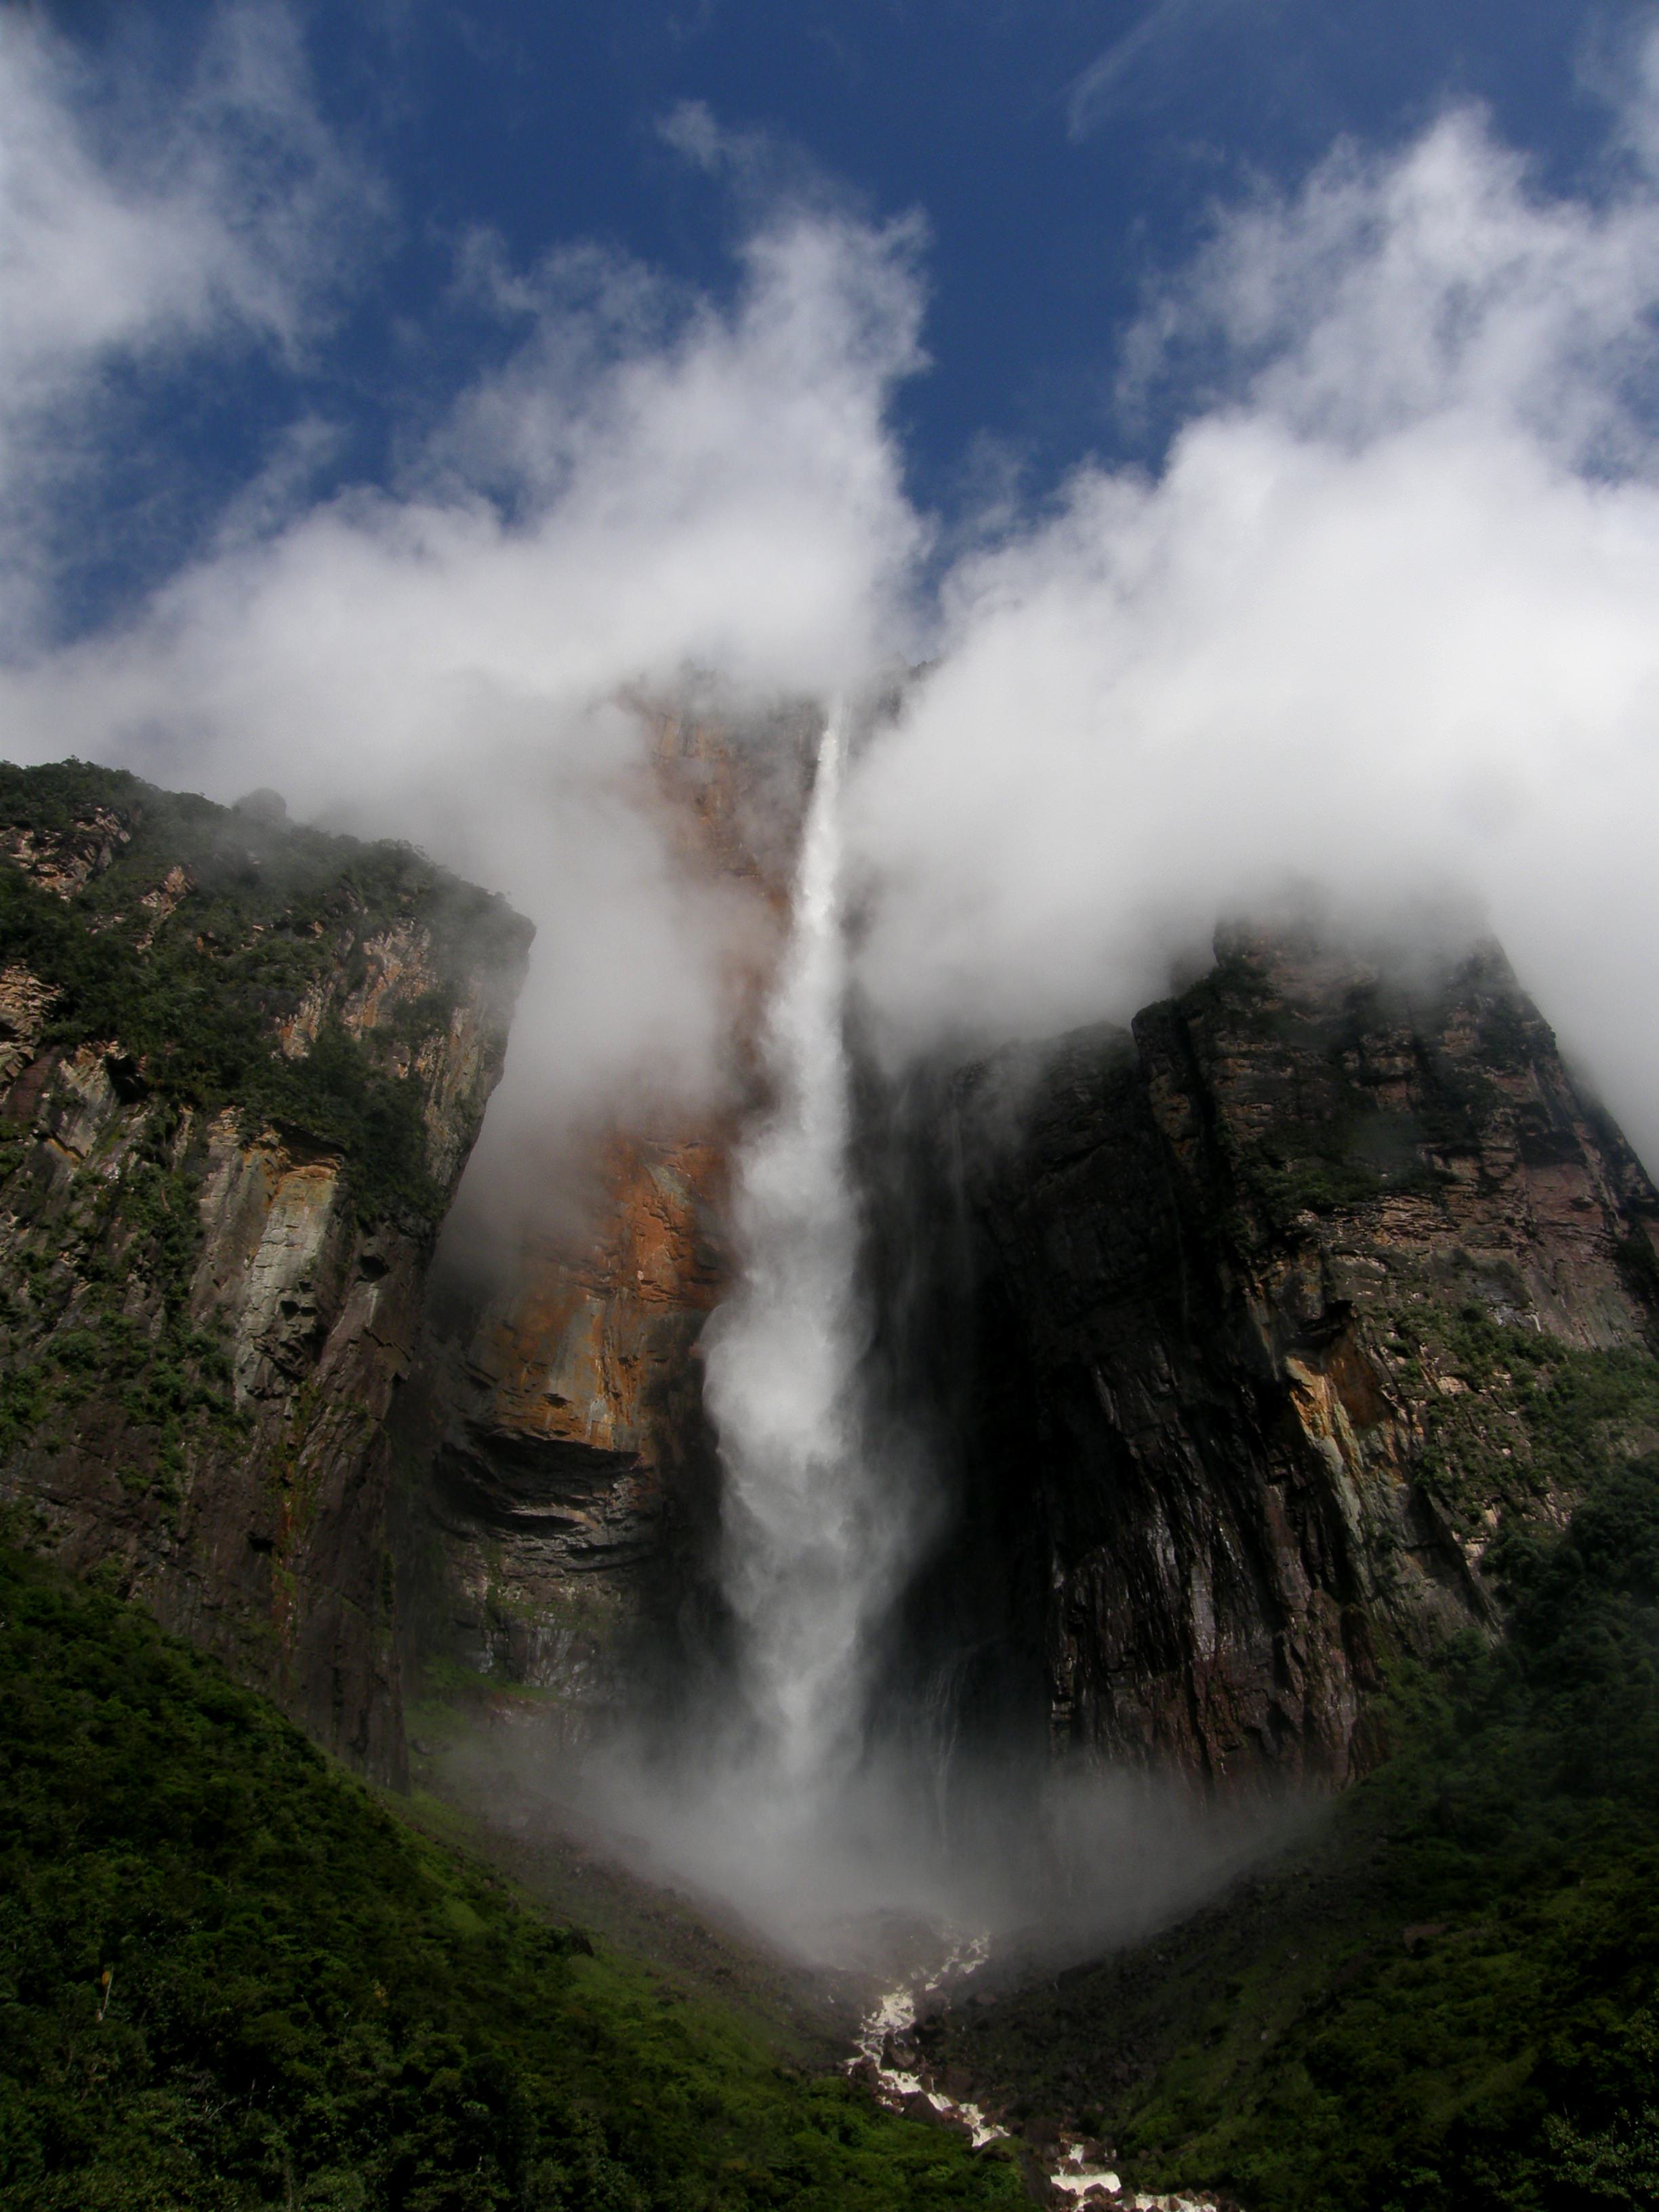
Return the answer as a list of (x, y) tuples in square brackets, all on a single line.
[(833, 1826), (809, 1549)]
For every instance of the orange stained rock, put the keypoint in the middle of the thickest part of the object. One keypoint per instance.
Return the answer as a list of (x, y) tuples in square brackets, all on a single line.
[(576, 1351)]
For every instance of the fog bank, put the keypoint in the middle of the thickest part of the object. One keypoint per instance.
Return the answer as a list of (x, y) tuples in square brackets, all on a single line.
[(1379, 623)]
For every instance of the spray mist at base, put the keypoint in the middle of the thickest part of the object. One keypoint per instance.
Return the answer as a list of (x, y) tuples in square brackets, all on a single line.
[(1044, 1867)]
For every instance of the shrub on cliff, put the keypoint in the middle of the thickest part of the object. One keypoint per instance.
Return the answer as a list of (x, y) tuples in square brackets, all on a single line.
[(193, 971)]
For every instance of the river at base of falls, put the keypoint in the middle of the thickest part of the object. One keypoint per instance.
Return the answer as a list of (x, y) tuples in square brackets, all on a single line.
[(885, 2059)]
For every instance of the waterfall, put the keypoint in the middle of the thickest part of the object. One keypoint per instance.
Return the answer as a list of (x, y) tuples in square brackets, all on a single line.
[(832, 1809), (810, 1546)]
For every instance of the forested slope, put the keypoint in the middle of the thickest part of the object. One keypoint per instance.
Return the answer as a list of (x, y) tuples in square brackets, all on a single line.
[(232, 1978)]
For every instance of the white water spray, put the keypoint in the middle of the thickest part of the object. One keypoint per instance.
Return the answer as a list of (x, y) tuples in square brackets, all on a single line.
[(812, 1546)]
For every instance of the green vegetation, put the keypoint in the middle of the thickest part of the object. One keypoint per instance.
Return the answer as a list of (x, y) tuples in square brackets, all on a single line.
[(1449, 2001), (180, 941), (66, 1335), (1342, 1161), (1330, 1143), (193, 978), (1536, 1418), (231, 1978)]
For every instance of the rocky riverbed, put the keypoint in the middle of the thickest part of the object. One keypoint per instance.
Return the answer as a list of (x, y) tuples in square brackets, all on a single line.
[(1077, 2170)]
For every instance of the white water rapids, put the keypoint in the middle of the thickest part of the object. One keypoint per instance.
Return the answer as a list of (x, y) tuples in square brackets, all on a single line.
[(885, 2055)]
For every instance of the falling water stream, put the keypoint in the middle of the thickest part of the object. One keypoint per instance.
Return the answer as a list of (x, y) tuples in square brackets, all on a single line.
[(812, 1546), (818, 1532)]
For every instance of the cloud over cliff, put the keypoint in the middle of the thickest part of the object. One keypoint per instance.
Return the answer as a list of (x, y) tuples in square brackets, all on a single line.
[(1382, 620), (634, 490)]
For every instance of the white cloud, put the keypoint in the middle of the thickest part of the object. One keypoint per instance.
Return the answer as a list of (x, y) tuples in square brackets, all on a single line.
[(642, 486), (132, 233), (1393, 290), (649, 487), (1385, 617), (1138, 62)]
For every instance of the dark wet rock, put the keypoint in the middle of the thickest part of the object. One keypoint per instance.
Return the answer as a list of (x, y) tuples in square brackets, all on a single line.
[(1182, 1299)]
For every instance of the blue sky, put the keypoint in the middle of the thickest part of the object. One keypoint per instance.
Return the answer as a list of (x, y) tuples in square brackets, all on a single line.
[(1239, 420), (1064, 155)]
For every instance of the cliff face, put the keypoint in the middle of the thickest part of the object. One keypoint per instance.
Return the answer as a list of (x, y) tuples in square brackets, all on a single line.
[(561, 1476), (1232, 1339), (244, 1065), (562, 1498), (1249, 1328)]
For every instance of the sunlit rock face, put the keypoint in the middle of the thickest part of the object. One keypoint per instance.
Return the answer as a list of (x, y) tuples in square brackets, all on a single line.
[(560, 1504), (1233, 1304), (563, 1477), (1209, 1336), (208, 1307)]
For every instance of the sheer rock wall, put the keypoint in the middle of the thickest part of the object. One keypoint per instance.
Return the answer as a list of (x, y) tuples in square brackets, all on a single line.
[(561, 1504), (1195, 1322), (1203, 1292)]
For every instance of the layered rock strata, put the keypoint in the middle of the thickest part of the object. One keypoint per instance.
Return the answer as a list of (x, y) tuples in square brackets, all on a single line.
[(1230, 1339), (562, 1495), (561, 1483)]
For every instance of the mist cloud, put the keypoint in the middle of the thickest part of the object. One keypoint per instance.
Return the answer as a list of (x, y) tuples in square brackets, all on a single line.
[(1383, 620), (638, 491)]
